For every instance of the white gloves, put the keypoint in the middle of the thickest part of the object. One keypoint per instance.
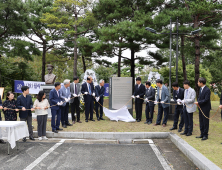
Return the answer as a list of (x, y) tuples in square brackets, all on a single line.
[(137, 96), (133, 96), (74, 95), (93, 94), (86, 93), (66, 99), (182, 101), (179, 103), (97, 99), (146, 99), (178, 100), (79, 95), (162, 102), (155, 102), (59, 103)]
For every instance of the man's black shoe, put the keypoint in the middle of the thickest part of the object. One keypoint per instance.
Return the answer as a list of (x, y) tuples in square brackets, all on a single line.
[(68, 124), (149, 123), (179, 130), (86, 120), (173, 128), (189, 134), (199, 136), (59, 129), (55, 131), (31, 138), (92, 120), (98, 119), (138, 120), (64, 126), (24, 139), (183, 133), (145, 122), (204, 138), (102, 118)]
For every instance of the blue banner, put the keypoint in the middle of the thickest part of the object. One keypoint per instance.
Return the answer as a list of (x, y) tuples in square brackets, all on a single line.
[(34, 86), (106, 85)]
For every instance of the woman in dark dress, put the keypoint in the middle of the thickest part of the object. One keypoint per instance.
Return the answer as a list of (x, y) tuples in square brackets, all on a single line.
[(10, 103)]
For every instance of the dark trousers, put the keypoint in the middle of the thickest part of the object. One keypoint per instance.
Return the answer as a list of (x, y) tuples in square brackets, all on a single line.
[(89, 108), (100, 109), (188, 120), (75, 107), (149, 112), (28, 119), (139, 108), (178, 113), (55, 113), (64, 114), (160, 114), (204, 123), (0, 116), (42, 122)]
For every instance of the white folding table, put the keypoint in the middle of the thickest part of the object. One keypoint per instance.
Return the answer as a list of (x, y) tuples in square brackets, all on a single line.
[(12, 131)]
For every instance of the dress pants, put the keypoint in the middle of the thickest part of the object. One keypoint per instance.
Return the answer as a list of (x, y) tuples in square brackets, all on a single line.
[(204, 123), (42, 121), (100, 109), (139, 108), (188, 120), (55, 126), (0, 116), (160, 114), (149, 112), (75, 107), (178, 113), (89, 108), (64, 114), (28, 119)]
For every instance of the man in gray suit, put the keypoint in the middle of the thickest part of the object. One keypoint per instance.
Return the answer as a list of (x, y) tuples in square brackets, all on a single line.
[(149, 99), (162, 97), (75, 92), (65, 97), (189, 107)]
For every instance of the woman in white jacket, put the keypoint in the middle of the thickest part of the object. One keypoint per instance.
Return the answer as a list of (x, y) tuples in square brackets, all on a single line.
[(41, 105)]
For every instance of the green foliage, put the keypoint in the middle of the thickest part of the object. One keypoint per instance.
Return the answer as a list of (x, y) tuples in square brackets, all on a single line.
[(104, 72)]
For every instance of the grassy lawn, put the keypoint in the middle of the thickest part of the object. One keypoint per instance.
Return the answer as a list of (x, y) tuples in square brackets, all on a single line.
[(211, 148)]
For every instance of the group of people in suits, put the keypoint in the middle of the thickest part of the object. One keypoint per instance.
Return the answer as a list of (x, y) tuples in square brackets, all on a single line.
[(185, 107)]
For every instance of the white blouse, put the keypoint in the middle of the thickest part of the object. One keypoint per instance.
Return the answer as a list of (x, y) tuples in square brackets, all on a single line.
[(42, 105)]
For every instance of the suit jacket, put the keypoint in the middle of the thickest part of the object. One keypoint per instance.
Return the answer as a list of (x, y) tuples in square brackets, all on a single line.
[(63, 94), (54, 99), (72, 86), (139, 91), (150, 95), (87, 98), (165, 96), (24, 102), (189, 100), (204, 100), (180, 96), (100, 92)]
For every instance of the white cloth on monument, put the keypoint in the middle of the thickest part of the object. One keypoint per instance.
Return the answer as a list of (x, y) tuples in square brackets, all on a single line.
[(12, 131), (120, 114)]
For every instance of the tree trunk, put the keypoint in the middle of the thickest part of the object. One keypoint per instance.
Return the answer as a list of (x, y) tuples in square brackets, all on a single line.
[(119, 62), (43, 61), (75, 48), (183, 58), (132, 66), (197, 56), (84, 64)]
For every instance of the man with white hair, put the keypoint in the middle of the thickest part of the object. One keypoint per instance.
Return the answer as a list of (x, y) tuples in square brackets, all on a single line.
[(65, 97), (100, 90)]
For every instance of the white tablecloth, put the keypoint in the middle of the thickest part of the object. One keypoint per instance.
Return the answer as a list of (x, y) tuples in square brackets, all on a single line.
[(12, 131)]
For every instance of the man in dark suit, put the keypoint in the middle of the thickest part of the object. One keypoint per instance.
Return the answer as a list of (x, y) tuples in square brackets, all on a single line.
[(204, 103), (56, 103), (99, 90), (89, 94), (139, 92), (24, 101), (75, 92), (1, 141), (149, 98), (178, 95)]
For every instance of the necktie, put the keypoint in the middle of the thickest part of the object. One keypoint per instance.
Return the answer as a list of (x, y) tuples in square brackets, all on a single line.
[(90, 90), (200, 90), (76, 90), (186, 93), (177, 91)]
